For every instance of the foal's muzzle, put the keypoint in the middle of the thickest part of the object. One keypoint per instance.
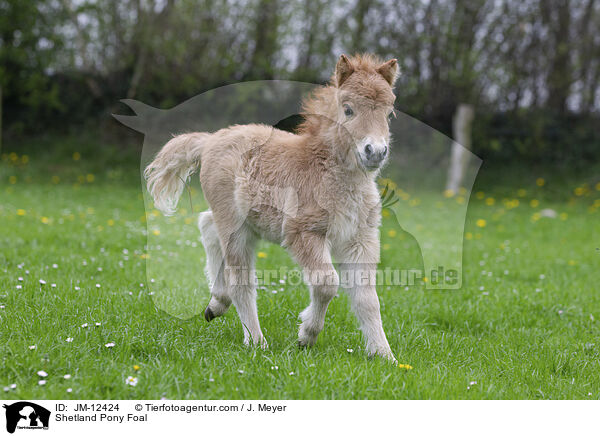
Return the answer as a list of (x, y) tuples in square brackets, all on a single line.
[(372, 153)]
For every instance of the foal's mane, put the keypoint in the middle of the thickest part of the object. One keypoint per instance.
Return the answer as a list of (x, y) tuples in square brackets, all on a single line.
[(320, 104)]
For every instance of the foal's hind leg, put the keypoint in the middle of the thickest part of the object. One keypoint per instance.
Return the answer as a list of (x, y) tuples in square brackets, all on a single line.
[(220, 300), (240, 279)]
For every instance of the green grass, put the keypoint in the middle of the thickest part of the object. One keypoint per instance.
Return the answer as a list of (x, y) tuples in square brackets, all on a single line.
[(524, 324)]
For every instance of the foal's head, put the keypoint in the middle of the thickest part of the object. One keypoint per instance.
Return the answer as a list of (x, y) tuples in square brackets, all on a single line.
[(365, 103)]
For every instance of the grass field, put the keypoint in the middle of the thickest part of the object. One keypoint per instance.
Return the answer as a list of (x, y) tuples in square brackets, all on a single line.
[(524, 324)]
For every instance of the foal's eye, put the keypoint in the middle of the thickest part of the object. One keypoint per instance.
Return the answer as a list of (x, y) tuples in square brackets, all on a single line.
[(348, 111)]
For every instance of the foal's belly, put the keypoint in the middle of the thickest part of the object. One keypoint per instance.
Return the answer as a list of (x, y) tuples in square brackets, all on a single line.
[(266, 223)]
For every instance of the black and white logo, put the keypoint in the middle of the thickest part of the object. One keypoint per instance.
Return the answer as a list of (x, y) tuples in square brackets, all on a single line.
[(26, 415)]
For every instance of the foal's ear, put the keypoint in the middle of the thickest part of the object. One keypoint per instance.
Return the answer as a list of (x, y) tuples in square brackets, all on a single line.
[(343, 70), (389, 71)]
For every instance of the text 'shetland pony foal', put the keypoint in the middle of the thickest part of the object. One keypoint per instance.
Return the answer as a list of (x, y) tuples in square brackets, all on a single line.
[(331, 164)]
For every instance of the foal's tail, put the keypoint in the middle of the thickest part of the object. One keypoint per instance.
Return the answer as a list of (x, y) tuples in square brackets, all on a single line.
[(167, 174)]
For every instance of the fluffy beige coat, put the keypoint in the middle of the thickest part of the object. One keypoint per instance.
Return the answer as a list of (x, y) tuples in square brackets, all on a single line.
[(313, 192)]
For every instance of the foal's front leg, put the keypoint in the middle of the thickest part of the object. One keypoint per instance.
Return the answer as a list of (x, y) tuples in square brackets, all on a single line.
[(358, 266), (312, 253)]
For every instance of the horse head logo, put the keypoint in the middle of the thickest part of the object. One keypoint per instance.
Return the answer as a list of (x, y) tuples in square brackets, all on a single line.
[(27, 415)]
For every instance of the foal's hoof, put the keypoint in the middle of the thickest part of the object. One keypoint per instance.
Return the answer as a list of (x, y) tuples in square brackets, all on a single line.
[(209, 315)]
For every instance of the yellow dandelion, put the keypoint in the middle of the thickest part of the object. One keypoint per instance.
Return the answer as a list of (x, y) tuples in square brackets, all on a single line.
[(45, 220), (145, 256), (480, 195), (481, 222), (469, 235), (188, 220), (13, 156), (598, 186), (579, 191), (572, 262), (405, 366), (143, 218), (521, 192), (24, 159), (100, 228), (536, 216), (425, 279), (89, 178), (490, 201), (111, 222), (136, 367), (21, 212), (449, 193), (386, 247), (76, 156), (90, 211), (156, 232), (460, 200), (462, 191), (385, 213), (262, 254), (12, 180), (155, 213), (392, 233), (540, 181), (534, 203)]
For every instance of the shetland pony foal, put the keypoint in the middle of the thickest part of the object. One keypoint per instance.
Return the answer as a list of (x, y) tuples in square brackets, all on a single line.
[(313, 192)]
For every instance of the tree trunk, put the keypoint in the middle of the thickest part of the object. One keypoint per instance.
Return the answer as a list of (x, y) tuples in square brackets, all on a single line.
[(459, 158)]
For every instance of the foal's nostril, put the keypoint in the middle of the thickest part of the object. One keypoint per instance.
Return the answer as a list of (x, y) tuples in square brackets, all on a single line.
[(368, 150)]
